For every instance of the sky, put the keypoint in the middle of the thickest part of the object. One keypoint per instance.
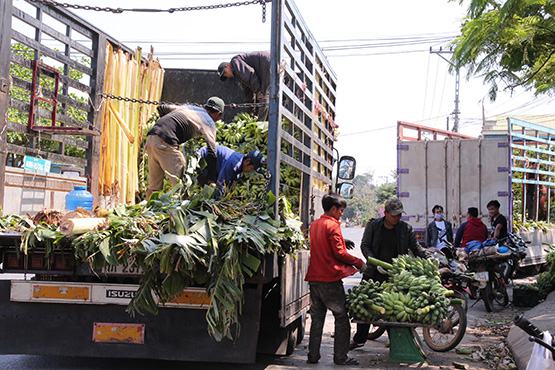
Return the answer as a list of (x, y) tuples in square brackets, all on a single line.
[(377, 86)]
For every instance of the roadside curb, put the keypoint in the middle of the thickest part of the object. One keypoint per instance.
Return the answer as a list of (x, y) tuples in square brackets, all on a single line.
[(543, 316)]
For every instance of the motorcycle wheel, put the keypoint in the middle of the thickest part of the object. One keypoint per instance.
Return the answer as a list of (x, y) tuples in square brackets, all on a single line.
[(486, 295), (375, 332), (447, 335), (495, 295), (500, 294)]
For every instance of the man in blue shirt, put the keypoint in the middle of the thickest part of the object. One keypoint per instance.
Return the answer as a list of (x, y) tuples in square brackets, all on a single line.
[(230, 164)]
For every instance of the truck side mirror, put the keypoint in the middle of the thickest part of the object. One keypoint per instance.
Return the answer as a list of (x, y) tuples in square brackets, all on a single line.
[(346, 168), (345, 189)]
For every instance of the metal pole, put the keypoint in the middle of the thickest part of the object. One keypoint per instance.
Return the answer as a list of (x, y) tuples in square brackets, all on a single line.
[(5, 52), (524, 184), (97, 84), (274, 127), (537, 180), (550, 180), (456, 112)]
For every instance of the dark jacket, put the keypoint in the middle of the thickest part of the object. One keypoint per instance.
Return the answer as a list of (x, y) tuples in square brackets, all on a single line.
[(372, 242), (473, 229), (252, 70), (432, 233), (229, 164)]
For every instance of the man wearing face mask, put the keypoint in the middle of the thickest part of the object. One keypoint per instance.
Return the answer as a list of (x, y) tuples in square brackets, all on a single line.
[(438, 231)]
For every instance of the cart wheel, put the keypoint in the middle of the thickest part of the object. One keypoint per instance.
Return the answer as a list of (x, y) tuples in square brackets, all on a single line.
[(375, 332), (449, 333)]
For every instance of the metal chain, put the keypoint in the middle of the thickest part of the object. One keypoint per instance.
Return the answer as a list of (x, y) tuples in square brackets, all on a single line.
[(155, 102), (154, 10)]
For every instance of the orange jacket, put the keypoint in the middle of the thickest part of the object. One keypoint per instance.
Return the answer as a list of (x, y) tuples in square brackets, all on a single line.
[(329, 259)]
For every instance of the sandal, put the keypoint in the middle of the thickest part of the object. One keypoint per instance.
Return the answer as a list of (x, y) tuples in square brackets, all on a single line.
[(354, 345), (349, 362)]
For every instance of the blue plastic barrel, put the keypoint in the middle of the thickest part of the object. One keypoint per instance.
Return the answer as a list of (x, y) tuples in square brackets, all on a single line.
[(79, 197)]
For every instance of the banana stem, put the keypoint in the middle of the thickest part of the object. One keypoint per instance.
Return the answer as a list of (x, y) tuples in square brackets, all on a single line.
[(377, 262), (377, 309)]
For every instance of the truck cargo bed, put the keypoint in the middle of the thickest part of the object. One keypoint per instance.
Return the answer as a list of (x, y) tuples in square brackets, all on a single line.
[(174, 334)]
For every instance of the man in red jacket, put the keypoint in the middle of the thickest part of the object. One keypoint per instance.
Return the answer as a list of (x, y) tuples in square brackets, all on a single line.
[(329, 263), (472, 229)]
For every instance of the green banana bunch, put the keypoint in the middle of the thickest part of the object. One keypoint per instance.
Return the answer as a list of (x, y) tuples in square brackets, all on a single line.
[(412, 293), (364, 302)]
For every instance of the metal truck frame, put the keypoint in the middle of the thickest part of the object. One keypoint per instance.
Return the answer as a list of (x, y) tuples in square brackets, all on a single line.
[(456, 171), (77, 314)]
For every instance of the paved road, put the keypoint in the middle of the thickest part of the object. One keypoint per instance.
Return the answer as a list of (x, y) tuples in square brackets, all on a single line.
[(372, 355)]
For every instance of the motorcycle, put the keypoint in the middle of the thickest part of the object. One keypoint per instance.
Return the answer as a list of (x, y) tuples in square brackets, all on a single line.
[(496, 270), (546, 340)]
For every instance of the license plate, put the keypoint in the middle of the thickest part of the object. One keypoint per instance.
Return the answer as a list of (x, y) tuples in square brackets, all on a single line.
[(122, 270), (104, 332), (482, 276)]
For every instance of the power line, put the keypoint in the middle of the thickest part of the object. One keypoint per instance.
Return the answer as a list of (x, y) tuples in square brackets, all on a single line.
[(368, 131), (530, 104), (327, 55), (442, 94), (426, 87), (434, 90), (388, 38), (327, 49)]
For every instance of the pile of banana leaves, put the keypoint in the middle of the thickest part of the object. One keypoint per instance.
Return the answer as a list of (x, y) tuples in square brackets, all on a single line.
[(182, 238)]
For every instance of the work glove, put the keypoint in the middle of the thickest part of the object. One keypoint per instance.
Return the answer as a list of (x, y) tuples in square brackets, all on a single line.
[(364, 268), (382, 271), (349, 244)]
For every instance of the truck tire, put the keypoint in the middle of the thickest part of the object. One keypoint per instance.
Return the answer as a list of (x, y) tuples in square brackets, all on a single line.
[(301, 329), (292, 334)]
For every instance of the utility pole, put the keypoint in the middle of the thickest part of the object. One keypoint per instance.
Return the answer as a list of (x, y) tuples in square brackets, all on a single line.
[(456, 112)]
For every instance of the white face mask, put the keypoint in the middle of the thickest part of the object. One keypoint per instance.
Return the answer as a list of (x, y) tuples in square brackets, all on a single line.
[(438, 216)]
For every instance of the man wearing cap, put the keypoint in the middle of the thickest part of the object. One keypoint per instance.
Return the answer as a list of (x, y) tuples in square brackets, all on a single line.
[(230, 165), (176, 125), (253, 71), (385, 238)]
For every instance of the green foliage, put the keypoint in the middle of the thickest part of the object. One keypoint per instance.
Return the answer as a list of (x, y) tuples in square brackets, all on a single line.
[(47, 85), (244, 134), (385, 191), (367, 198), (546, 280), (510, 42), (185, 238)]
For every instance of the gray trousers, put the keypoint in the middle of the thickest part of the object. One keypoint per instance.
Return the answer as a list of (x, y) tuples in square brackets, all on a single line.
[(323, 297)]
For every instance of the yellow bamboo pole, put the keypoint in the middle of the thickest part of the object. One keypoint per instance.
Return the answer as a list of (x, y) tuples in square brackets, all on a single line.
[(104, 146), (110, 129), (122, 124)]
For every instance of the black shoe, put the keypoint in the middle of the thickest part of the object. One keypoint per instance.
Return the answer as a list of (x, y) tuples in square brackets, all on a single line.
[(309, 361), (348, 362), (354, 345)]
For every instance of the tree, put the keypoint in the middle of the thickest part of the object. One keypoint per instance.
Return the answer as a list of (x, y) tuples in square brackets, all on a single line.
[(362, 205), (367, 198), (385, 191), (509, 41)]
